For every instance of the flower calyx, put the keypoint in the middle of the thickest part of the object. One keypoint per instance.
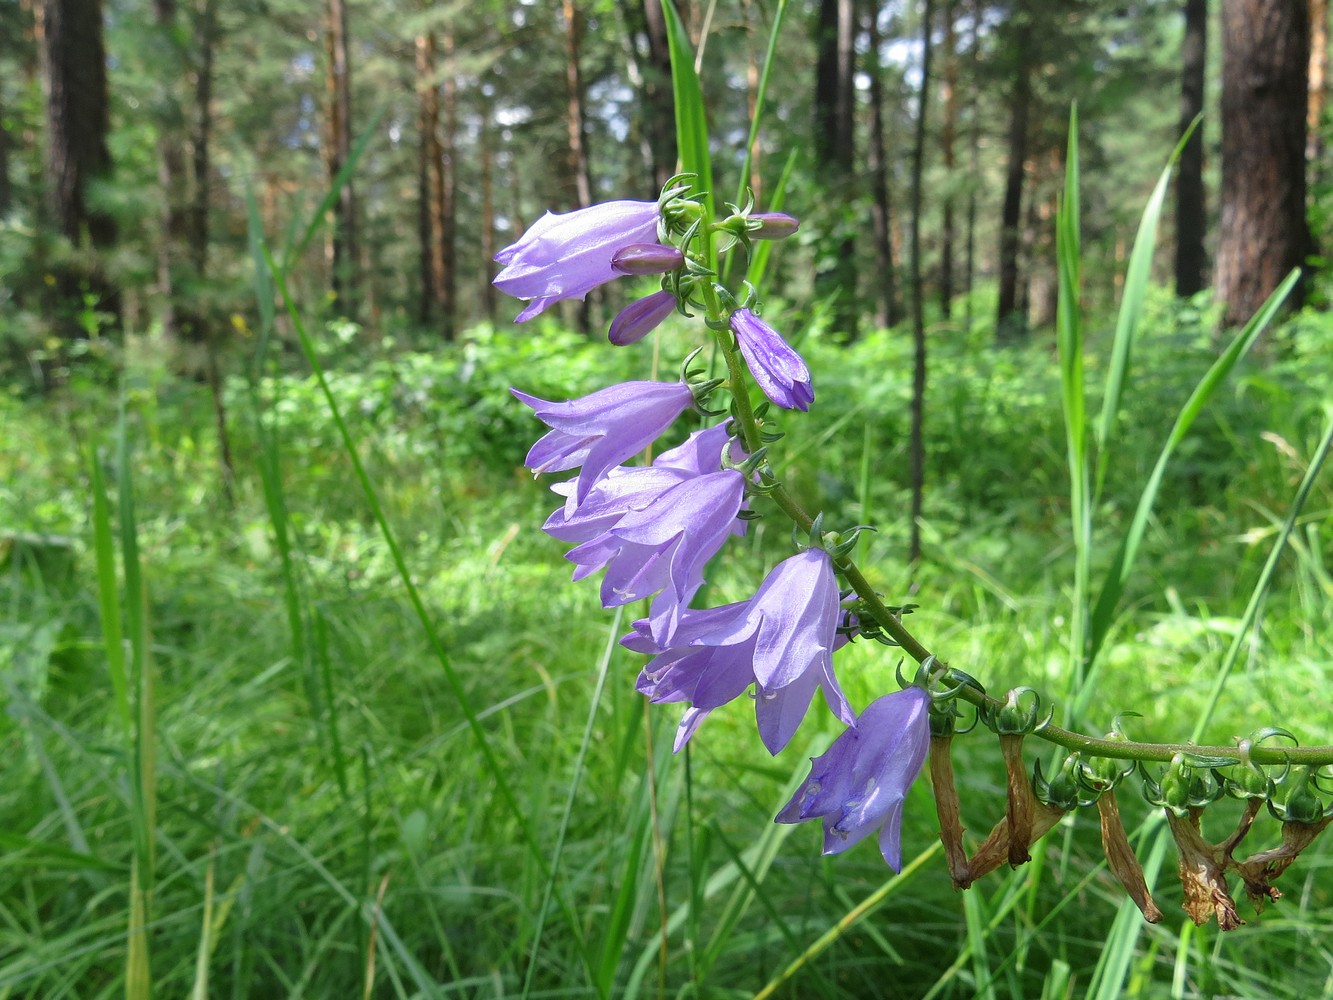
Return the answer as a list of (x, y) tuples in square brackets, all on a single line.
[(1014, 717), (1069, 788), (1249, 780), (1302, 804), (1189, 783)]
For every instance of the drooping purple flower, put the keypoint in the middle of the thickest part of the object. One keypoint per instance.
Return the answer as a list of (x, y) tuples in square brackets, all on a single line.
[(779, 370), (646, 258), (664, 546), (566, 256), (602, 429), (622, 490), (640, 318), (858, 785), (702, 451), (780, 640)]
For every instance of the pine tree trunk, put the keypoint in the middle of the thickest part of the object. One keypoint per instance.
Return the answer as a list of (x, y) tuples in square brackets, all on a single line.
[(1314, 153), (948, 132), (1263, 234), (659, 109), (1010, 322), (834, 146), (580, 176), (1191, 220), (430, 187), (917, 443), (338, 149), (206, 31), (974, 161), (449, 194), (489, 304), (881, 211), (170, 166), (73, 61)]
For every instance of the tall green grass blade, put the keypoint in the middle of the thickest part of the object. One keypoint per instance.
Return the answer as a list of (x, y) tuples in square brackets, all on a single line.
[(1131, 308), (1069, 339), (1118, 952), (849, 920), (1117, 575), (763, 249), (1262, 584), (490, 759), (317, 219), (143, 752), (691, 115), (761, 93), (108, 596)]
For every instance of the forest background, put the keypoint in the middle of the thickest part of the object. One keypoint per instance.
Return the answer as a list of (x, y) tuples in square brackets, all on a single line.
[(238, 762)]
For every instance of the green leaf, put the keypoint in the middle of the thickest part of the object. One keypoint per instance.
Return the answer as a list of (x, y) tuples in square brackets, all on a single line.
[(691, 115)]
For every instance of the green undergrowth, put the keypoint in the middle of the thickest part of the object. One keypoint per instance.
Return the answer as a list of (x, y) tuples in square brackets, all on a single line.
[(324, 826)]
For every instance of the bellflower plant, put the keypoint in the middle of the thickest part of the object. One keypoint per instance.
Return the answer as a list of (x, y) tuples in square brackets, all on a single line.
[(858, 785), (566, 256), (654, 528), (602, 429), (780, 372)]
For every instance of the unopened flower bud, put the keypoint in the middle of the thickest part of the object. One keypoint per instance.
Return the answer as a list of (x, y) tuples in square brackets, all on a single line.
[(640, 318), (646, 258), (772, 226)]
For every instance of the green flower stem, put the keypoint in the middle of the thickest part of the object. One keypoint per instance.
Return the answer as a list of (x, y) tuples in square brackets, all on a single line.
[(891, 624)]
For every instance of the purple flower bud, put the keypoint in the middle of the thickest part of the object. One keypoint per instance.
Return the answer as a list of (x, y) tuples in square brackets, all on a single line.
[(859, 784), (646, 258), (779, 370), (601, 430), (773, 226), (781, 640), (640, 318), (566, 256)]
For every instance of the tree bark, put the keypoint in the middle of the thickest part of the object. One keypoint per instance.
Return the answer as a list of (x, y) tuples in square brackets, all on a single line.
[(659, 106), (947, 135), (338, 149), (974, 160), (489, 299), (73, 60), (170, 165), (579, 173), (449, 195), (206, 31), (1263, 233), (881, 212), (430, 183), (1010, 323), (917, 443), (834, 146), (1314, 153), (1191, 220)]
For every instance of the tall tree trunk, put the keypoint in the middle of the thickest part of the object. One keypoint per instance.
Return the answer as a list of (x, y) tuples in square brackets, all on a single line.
[(1264, 234), (449, 194), (917, 444), (489, 303), (1191, 220), (974, 161), (580, 175), (881, 211), (1314, 153), (206, 32), (659, 108), (338, 149), (834, 145), (948, 132), (170, 165), (430, 180), (1010, 322), (73, 60)]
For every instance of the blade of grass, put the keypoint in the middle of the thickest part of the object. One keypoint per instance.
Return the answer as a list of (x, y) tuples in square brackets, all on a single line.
[(489, 756), (691, 116), (1117, 575), (1137, 274), (108, 597), (1069, 339)]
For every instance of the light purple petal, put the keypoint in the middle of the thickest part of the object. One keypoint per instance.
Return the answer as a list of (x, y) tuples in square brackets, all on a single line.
[(640, 318), (566, 256), (780, 372)]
